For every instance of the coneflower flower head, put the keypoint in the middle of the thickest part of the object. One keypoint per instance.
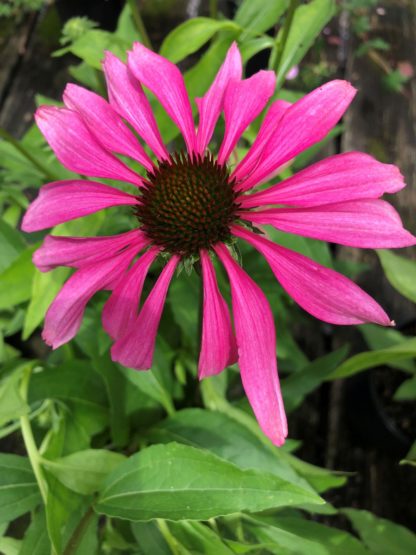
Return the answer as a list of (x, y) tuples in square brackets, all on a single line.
[(191, 205)]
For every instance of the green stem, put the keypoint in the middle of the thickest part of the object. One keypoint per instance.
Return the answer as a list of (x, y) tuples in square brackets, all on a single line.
[(18, 146), (74, 541), (280, 47), (172, 542), (213, 9), (29, 441), (138, 21)]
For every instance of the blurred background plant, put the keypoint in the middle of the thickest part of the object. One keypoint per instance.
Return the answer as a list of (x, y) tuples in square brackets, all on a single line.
[(97, 458)]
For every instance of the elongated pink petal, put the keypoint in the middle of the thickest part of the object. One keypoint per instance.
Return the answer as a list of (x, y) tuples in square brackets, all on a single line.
[(268, 127), (166, 82), (64, 316), (61, 201), (218, 347), (211, 104), (256, 340), (372, 224), (135, 350), (128, 99), (305, 123), (120, 311), (77, 252), (105, 124), (77, 149), (342, 177), (322, 292), (243, 102)]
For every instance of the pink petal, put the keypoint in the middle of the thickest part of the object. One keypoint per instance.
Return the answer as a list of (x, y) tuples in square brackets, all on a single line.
[(348, 176), (135, 350), (218, 347), (324, 293), (105, 124), (268, 127), (166, 82), (211, 104), (127, 97), (372, 224), (61, 201), (64, 316), (76, 148), (78, 252), (305, 123), (243, 102), (120, 311), (256, 340)]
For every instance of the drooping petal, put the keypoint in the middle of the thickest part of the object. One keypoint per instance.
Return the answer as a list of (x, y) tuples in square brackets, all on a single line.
[(61, 201), (342, 177), (120, 311), (267, 128), (78, 252), (77, 149), (243, 102), (256, 340), (218, 347), (166, 82), (322, 292), (135, 350), (105, 124), (64, 316), (372, 224), (128, 99), (211, 104), (305, 123)]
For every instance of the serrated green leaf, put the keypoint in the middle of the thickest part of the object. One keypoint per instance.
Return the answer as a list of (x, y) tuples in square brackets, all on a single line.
[(178, 482)]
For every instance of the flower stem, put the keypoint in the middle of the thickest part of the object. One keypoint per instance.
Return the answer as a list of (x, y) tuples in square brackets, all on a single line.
[(75, 539), (29, 441), (213, 9), (280, 46), (18, 146), (170, 540), (138, 21)]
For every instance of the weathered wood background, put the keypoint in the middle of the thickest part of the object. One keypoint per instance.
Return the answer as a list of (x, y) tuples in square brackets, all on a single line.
[(380, 122)]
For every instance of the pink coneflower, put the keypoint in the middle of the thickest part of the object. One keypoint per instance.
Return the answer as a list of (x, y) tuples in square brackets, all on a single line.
[(193, 204)]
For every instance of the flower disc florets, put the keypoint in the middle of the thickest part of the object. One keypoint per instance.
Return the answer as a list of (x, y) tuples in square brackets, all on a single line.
[(188, 204)]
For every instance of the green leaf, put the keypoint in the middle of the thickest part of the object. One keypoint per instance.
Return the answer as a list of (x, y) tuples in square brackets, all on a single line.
[(381, 536), (45, 287), (149, 538), (406, 391), (9, 546), (91, 45), (11, 245), (308, 21), (400, 271), (150, 384), (12, 405), (84, 471), (189, 36), (198, 538), (258, 16), (36, 540), (201, 486), (370, 359), (18, 488), (298, 536), (227, 438), (378, 337), (296, 386), (252, 47), (16, 280)]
